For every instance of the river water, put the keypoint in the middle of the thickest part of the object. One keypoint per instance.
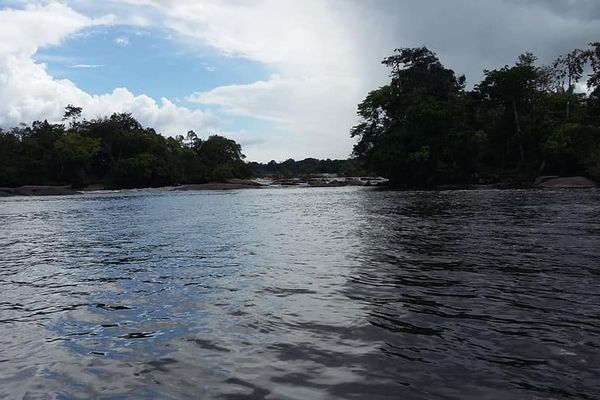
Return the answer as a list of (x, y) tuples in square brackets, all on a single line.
[(332, 293)]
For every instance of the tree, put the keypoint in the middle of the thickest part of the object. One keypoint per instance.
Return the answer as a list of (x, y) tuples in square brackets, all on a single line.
[(402, 132), (72, 114), (190, 139), (592, 56), (569, 69), (222, 156), (515, 91)]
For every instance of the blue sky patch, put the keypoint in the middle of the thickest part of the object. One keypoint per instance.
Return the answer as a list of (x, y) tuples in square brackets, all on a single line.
[(147, 62)]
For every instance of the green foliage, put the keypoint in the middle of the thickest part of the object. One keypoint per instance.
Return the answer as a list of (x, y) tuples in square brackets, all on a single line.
[(116, 150), (144, 170), (575, 147), (74, 148), (405, 124), (222, 156), (425, 128), (74, 152)]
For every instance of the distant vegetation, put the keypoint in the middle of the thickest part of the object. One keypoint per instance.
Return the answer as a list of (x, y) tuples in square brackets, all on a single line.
[(308, 166), (425, 128), (115, 151)]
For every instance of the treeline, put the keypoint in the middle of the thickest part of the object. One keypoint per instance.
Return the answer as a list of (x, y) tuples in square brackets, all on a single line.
[(308, 166), (425, 127), (116, 151)]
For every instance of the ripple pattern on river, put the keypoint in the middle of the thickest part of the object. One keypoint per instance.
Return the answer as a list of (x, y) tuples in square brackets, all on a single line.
[(301, 293)]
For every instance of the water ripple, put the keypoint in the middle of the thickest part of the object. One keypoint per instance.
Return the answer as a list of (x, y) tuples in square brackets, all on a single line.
[(330, 293)]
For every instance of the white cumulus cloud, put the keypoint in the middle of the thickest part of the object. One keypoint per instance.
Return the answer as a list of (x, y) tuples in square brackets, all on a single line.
[(321, 72), (122, 41), (28, 92)]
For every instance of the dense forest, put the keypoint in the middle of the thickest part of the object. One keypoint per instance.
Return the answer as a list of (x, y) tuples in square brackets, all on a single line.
[(115, 151), (425, 128)]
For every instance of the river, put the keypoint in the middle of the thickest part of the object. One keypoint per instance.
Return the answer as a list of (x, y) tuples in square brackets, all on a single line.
[(331, 293)]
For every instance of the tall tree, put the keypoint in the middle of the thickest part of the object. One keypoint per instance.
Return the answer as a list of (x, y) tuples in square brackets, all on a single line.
[(72, 114), (514, 89), (403, 124)]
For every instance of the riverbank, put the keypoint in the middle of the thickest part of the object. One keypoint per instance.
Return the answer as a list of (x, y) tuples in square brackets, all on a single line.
[(37, 190), (543, 182)]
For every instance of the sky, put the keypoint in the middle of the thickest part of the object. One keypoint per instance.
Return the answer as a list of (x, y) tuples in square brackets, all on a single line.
[(281, 77)]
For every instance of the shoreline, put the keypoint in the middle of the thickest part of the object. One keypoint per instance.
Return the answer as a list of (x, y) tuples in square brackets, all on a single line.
[(541, 183)]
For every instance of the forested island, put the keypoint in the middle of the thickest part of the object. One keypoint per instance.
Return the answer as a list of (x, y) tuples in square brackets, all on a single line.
[(422, 129)]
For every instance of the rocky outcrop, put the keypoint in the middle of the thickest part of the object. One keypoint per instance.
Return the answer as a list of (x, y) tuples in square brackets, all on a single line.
[(216, 186), (247, 182), (356, 182), (95, 187), (324, 183), (573, 182), (287, 182)]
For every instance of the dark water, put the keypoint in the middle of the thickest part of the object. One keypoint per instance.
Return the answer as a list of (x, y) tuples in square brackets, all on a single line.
[(301, 294)]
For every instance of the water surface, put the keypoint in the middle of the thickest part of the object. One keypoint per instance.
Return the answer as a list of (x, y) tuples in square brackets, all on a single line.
[(330, 293)]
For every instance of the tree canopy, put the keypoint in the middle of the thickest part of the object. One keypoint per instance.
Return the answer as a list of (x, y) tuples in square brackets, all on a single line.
[(425, 128), (117, 151)]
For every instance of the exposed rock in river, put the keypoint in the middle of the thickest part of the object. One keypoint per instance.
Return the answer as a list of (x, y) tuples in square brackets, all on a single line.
[(573, 182), (326, 183), (247, 182), (287, 182), (216, 186)]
